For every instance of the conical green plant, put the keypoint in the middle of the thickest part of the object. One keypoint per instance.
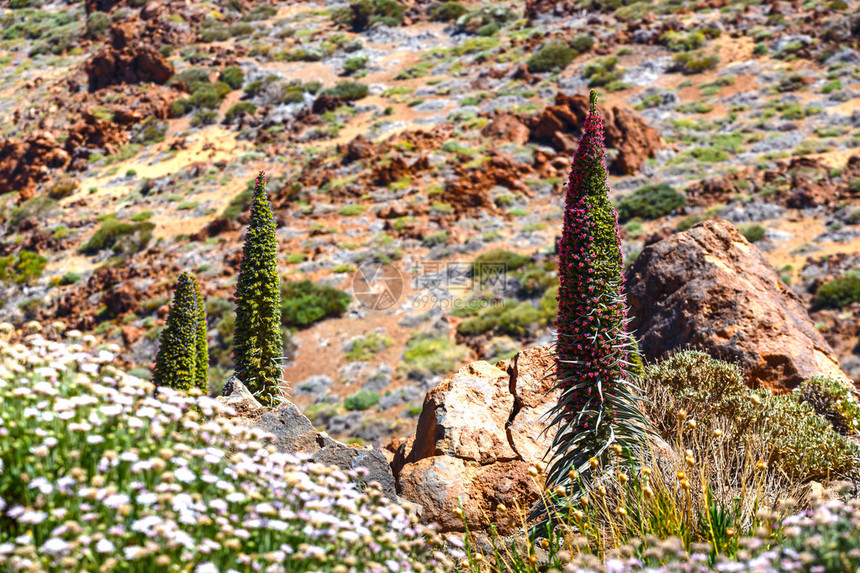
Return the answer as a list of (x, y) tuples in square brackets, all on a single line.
[(597, 359), (176, 363), (201, 366), (258, 343)]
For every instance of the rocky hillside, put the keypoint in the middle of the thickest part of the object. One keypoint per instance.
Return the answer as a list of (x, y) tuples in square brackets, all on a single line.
[(416, 154)]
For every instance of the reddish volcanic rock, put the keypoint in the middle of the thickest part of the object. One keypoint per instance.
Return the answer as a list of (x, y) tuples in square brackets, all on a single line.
[(559, 125), (710, 289), (24, 164), (126, 59)]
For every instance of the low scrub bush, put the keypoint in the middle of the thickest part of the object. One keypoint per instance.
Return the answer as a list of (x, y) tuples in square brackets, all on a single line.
[(839, 292), (603, 72), (120, 236), (650, 202), (425, 356), (446, 11), (361, 400), (233, 76), (23, 267), (349, 91), (239, 109), (305, 302), (833, 400), (694, 62), (363, 348), (552, 56)]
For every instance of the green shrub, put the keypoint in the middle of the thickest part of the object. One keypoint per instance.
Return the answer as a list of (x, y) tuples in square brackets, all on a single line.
[(552, 56), (492, 262), (511, 317), (233, 76), (204, 117), (683, 41), (364, 13), (97, 24), (39, 207), (304, 303), (361, 400), (833, 400), (179, 107), (426, 356), (191, 76), (238, 109), (839, 292), (694, 62), (602, 72), (798, 441), (582, 43), (349, 91), (238, 204), (753, 232), (354, 63), (122, 237), (650, 202), (22, 268), (362, 349), (447, 11)]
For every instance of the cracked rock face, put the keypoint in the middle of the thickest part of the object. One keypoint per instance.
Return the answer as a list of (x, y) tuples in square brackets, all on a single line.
[(709, 288), (479, 432)]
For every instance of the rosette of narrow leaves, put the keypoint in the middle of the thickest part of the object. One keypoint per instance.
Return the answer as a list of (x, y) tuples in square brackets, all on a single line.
[(201, 363), (258, 343), (176, 363), (596, 357)]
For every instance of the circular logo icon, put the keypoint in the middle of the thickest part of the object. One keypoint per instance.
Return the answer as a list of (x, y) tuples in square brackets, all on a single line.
[(377, 286)]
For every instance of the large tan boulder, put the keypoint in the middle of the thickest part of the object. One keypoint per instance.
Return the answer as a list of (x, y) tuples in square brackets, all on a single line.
[(479, 435), (710, 289)]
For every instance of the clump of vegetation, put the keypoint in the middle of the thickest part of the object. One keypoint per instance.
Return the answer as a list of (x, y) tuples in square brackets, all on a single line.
[(130, 443), (238, 110), (23, 267), (552, 56), (694, 62), (833, 400), (492, 263), (361, 15), (39, 208), (305, 302), (446, 11), (839, 292), (124, 238), (604, 72), (348, 91), (233, 76), (183, 356), (361, 400), (650, 202), (363, 348), (204, 95), (752, 232), (426, 355), (258, 342)]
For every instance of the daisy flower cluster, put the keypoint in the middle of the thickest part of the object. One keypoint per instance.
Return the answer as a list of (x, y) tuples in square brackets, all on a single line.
[(98, 472)]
